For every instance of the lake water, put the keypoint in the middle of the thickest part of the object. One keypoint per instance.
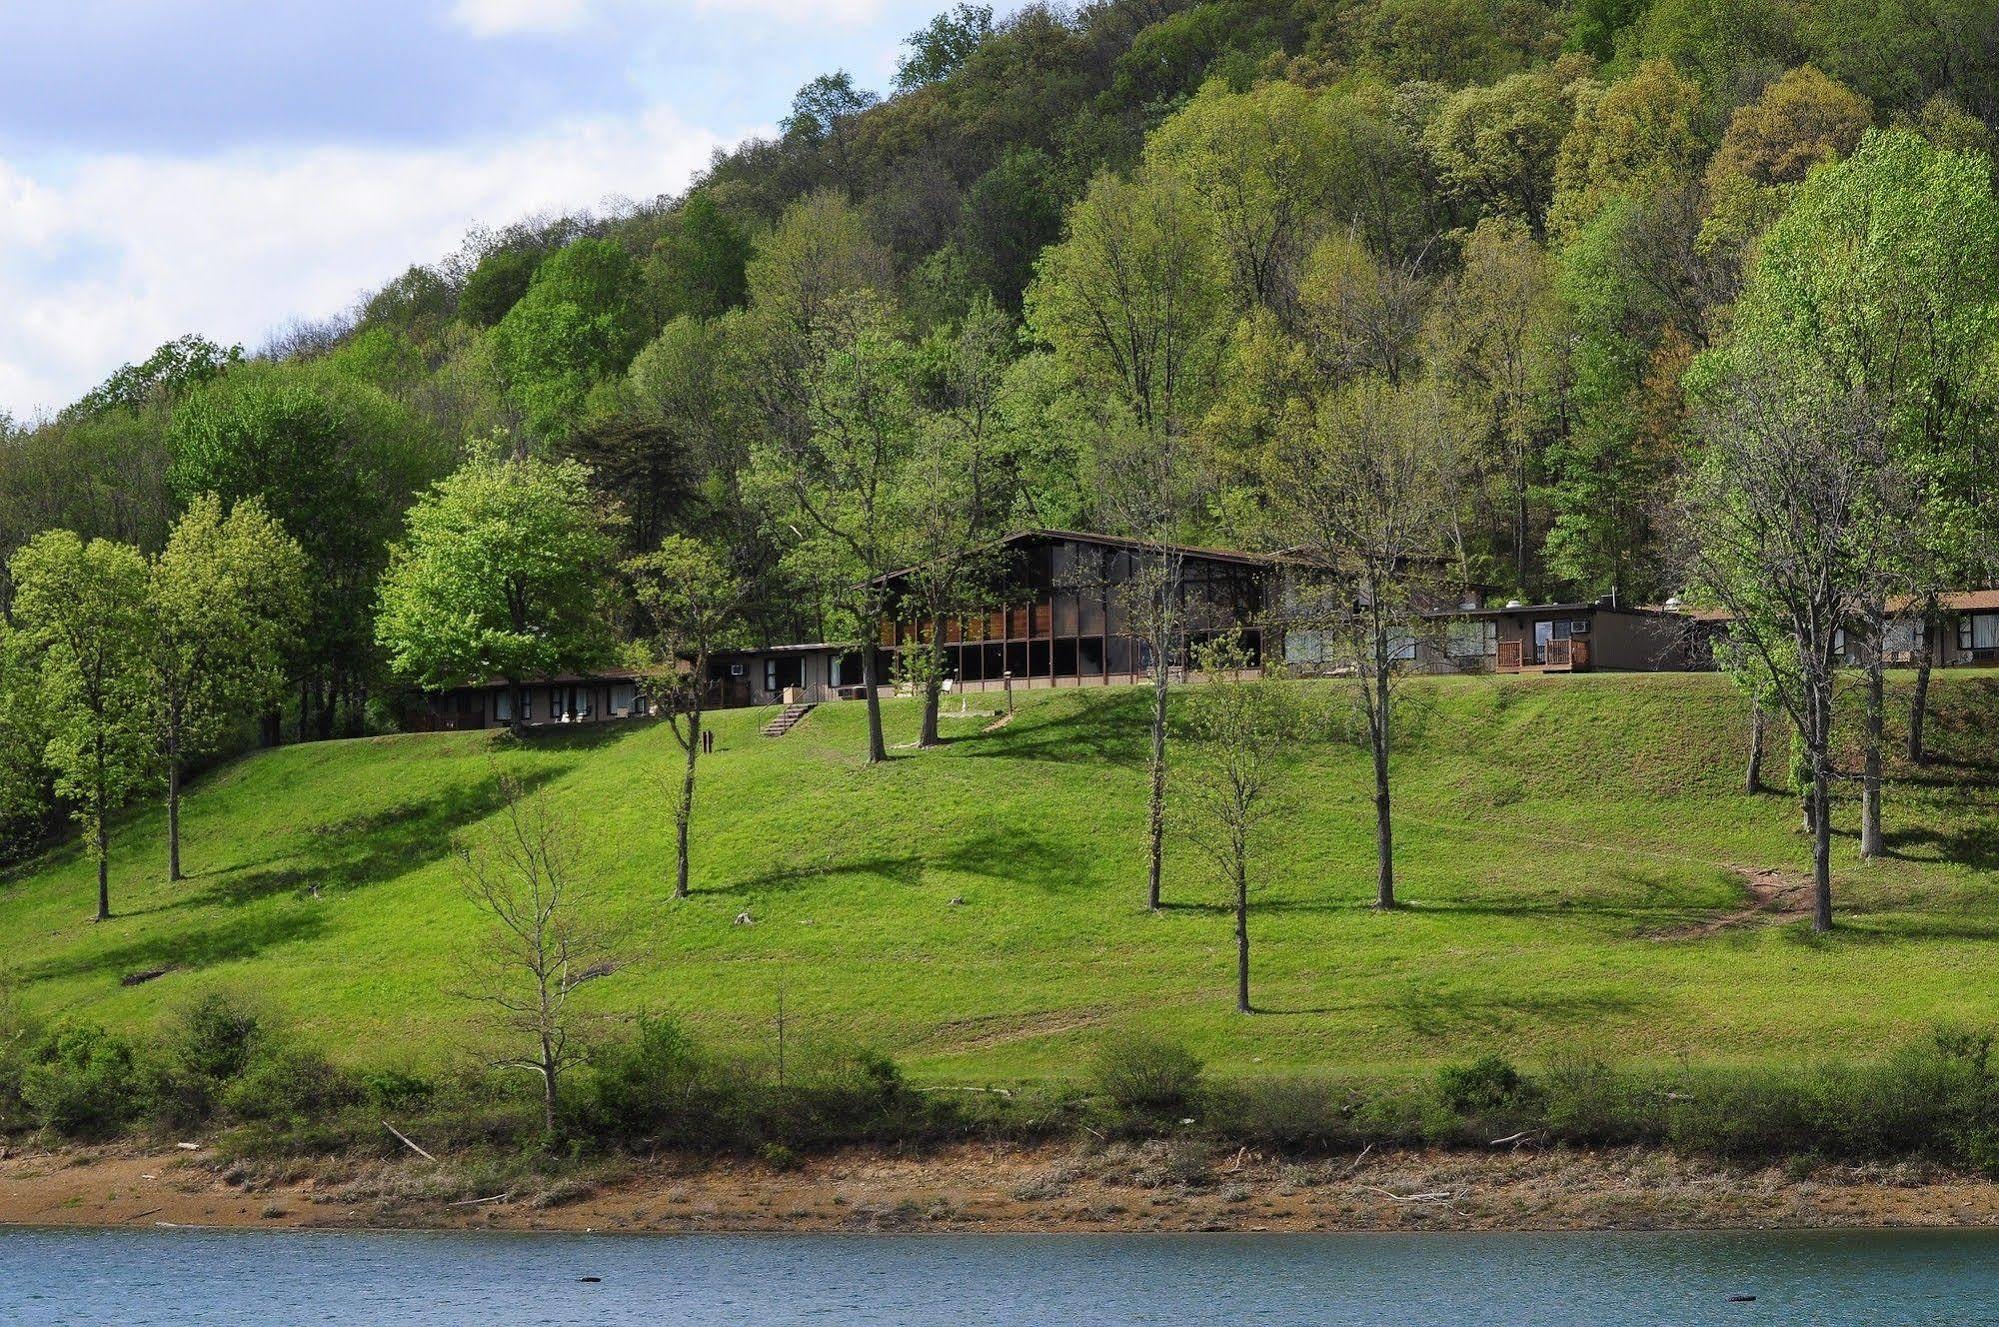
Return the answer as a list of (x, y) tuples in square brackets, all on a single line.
[(142, 1278)]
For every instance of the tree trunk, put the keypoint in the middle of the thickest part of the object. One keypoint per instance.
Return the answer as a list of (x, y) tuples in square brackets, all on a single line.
[(870, 671), (1821, 845), (1753, 780), (1871, 841), (1156, 842), (103, 868), (173, 810), (1384, 825), (1919, 704), (933, 686), (1241, 933), (549, 1069), (683, 814)]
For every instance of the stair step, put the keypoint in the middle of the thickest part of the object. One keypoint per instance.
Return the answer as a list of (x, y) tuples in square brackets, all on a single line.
[(787, 720)]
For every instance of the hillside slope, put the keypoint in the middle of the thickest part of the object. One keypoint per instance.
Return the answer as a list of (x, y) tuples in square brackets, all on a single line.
[(1575, 851)]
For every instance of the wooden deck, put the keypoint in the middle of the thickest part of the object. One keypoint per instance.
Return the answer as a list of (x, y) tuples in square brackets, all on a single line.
[(1563, 656)]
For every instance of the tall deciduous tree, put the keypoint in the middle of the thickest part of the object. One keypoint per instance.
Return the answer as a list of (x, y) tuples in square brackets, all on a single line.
[(691, 598), (1779, 515), (958, 494), (1364, 494), (226, 597), (1881, 279), (502, 574), (334, 461), (842, 487), (84, 608)]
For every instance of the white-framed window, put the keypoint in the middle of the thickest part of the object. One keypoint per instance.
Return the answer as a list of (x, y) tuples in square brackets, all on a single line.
[(503, 705), (1978, 631), (1903, 636), (623, 695)]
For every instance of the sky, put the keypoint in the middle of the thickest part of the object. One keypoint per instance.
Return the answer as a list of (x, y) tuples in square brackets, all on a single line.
[(229, 167)]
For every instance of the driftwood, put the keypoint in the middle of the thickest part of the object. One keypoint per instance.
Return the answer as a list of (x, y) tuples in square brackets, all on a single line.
[(475, 1202), (406, 1142), (1435, 1196), (1348, 1173)]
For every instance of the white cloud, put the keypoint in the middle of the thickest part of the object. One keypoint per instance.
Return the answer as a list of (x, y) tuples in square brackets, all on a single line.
[(505, 18), (106, 258)]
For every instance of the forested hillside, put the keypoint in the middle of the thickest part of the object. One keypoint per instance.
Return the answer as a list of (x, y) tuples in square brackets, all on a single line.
[(1233, 234)]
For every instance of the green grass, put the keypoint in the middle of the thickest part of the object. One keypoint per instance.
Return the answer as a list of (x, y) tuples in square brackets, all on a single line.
[(1552, 833)]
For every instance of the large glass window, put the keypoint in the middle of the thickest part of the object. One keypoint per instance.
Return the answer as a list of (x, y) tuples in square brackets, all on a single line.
[(1978, 631)]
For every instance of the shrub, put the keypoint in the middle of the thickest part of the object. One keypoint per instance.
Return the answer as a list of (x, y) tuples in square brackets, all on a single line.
[(203, 1048), (290, 1085), (1290, 1112), (1586, 1100), (397, 1090), (81, 1081), (1488, 1083), (1144, 1074), (654, 1085)]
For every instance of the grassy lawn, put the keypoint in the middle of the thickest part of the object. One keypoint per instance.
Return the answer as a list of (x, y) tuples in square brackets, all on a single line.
[(978, 910)]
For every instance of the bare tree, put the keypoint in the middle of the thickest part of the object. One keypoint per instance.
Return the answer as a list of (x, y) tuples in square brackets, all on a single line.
[(1242, 726), (1364, 496), (1778, 521), (536, 952)]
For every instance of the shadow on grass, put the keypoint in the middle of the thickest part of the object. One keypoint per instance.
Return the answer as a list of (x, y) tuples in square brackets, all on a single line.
[(1450, 1013), (1015, 858), (1113, 728), (196, 947), (1976, 846), (365, 849)]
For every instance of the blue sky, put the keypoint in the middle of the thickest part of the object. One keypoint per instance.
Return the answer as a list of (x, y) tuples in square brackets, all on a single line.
[(224, 167)]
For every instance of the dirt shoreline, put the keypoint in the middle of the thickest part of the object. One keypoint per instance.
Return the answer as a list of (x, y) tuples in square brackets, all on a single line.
[(1150, 1187)]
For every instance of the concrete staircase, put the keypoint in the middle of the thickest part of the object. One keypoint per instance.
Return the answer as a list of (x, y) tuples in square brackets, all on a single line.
[(787, 719)]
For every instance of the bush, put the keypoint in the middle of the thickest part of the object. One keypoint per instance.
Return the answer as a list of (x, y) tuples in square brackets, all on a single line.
[(397, 1090), (292, 1086), (1145, 1075), (1291, 1112), (81, 1081), (1588, 1101), (203, 1048), (1488, 1083), (655, 1086)]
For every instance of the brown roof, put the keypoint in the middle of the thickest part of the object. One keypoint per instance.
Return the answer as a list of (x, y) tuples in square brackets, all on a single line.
[(1959, 601)]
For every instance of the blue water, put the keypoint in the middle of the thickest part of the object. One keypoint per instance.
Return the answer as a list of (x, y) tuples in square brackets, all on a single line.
[(137, 1279)]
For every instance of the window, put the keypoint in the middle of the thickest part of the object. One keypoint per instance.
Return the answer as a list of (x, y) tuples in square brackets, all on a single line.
[(1978, 631), (622, 696), (503, 705), (1902, 637), (1468, 640)]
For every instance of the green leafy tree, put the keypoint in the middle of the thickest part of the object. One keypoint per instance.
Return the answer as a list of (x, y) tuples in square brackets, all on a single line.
[(1133, 298), (501, 574), (1494, 148), (698, 266), (579, 323), (942, 44), (336, 463), (1629, 140), (162, 378), (842, 486), (27, 793), (83, 607), (226, 597), (691, 599)]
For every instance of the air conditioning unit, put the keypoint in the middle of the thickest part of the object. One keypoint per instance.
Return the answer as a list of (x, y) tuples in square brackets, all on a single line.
[(735, 670)]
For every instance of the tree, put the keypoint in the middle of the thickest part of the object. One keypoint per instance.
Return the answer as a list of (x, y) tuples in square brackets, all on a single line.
[(580, 322), (1880, 278), (842, 486), (1777, 516), (83, 607), (1241, 727), (1494, 148), (698, 264), (1261, 165), (691, 599), (1132, 298), (226, 597), (942, 44), (501, 574), (523, 877), (1363, 496), (1493, 335), (1629, 140), (335, 462), (959, 494), (27, 794), (162, 378)]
